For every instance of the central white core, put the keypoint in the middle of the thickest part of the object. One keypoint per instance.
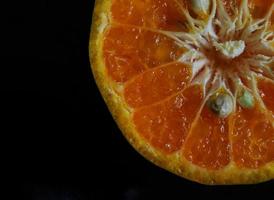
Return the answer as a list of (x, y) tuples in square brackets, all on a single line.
[(230, 49)]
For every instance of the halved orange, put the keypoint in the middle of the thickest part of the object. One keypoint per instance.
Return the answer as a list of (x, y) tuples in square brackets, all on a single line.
[(190, 83)]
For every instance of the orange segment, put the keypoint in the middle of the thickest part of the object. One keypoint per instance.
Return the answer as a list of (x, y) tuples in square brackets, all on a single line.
[(165, 125), (266, 88), (157, 84), (158, 14), (252, 138), (260, 7), (208, 143), (129, 51)]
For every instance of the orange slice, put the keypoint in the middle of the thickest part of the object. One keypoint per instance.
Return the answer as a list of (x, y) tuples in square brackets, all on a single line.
[(191, 83)]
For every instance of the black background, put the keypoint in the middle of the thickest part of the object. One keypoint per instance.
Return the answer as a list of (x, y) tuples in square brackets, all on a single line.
[(58, 138)]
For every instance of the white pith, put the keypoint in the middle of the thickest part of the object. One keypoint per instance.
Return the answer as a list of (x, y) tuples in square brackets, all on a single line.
[(244, 45), (230, 49)]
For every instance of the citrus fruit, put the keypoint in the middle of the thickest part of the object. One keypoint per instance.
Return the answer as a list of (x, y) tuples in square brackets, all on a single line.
[(190, 83)]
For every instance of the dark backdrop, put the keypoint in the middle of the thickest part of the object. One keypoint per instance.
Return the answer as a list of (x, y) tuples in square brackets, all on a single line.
[(59, 141)]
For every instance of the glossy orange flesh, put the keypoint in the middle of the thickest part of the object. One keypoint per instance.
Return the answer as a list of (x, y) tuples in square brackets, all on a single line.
[(168, 112)]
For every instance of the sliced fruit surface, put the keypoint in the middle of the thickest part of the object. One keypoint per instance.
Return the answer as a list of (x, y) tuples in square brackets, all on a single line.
[(191, 83)]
